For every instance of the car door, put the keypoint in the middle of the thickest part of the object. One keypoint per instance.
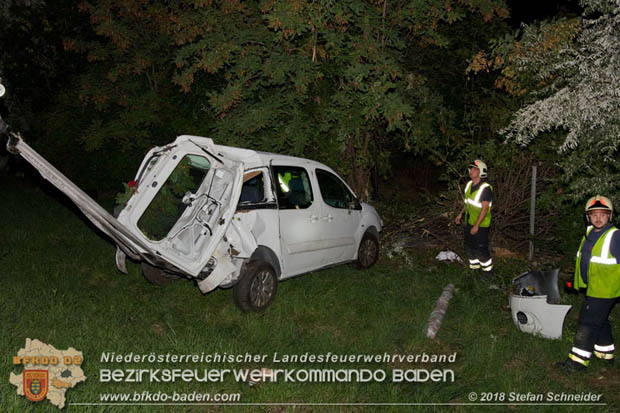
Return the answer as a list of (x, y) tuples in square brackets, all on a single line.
[(339, 219), (298, 212), (184, 202)]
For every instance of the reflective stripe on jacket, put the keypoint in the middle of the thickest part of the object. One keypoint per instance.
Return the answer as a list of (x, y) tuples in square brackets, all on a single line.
[(474, 206), (603, 268)]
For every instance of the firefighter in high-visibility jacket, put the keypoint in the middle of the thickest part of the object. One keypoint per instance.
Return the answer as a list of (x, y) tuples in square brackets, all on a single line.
[(598, 272), (477, 209)]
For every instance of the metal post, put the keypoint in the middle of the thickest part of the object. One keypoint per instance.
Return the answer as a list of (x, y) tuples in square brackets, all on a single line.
[(532, 213)]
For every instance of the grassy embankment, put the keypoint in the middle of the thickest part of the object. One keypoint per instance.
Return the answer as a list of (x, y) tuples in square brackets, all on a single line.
[(60, 286)]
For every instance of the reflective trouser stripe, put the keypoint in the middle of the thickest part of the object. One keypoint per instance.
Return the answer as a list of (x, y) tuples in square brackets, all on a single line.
[(578, 360), (604, 356), (605, 349), (604, 352), (580, 356), (487, 265), (474, 264), (582, 353)]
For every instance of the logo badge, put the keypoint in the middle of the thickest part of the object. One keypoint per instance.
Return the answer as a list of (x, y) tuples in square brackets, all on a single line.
[(36, 384)]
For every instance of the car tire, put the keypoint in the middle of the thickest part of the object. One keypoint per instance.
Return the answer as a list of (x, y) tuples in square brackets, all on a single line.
[(157, 276), (368, 251), (256, 288)]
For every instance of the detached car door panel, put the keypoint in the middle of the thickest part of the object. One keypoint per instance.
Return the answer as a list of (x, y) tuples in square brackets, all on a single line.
[(158, 224), (185, 203)]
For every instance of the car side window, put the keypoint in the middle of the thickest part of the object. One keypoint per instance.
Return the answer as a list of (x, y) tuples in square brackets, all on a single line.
[(333, 191), (253, 190), (293, 187)]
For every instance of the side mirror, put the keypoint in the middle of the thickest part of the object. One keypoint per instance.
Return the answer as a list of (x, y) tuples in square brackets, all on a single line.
[(355, 204)]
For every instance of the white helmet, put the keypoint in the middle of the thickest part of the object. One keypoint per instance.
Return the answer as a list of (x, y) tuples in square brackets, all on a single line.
[(482, 167), (599, 202)]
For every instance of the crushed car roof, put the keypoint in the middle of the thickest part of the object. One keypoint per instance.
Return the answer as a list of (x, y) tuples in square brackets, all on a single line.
[(249, 157)]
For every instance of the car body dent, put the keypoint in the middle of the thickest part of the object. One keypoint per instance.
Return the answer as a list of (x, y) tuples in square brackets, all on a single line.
[(193, 240)]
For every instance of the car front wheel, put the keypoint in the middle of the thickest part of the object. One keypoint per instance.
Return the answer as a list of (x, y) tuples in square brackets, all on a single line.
[(256, 288), (368, 251)]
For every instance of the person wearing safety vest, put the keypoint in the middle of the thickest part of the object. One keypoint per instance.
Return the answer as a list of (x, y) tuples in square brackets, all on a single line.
[(597, 270), (477, 210)]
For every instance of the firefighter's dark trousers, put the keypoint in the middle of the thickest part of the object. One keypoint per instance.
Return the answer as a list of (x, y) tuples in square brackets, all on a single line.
[(477, 249), (594, 331)]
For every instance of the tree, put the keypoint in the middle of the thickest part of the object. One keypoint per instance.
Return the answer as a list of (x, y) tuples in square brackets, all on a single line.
[(327, 79), (339, 81), (569, 72), (32, 61)]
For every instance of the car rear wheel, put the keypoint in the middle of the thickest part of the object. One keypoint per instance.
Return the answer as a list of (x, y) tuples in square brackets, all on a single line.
[(157, 276), (368, 251), (256, 288)]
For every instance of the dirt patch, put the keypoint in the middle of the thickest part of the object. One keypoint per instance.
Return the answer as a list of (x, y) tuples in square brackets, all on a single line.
[(158, 329), (98, 279)]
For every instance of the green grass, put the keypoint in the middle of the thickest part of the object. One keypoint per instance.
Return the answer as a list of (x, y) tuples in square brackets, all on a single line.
[(60, 286)]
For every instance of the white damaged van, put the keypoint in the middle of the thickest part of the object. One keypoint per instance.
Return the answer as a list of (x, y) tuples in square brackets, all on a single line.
[(229, 217)]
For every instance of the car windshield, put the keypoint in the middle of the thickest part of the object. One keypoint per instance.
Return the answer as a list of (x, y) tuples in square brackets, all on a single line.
[(167, 206)]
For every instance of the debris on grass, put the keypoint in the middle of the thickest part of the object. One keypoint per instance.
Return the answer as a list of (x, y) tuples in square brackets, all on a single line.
[(448, 256), (434, 321), (398, 250)]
